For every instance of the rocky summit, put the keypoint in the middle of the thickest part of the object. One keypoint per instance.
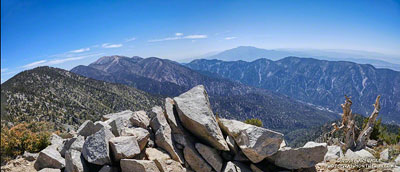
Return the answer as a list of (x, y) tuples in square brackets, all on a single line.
[(183, 135)]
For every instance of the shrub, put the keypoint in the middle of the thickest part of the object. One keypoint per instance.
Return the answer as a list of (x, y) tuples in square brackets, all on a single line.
[(31, 137), (254, 121)]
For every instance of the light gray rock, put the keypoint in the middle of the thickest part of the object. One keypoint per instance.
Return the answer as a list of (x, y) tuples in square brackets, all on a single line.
[(101, 124), (361, 154), (236, 167), (117, 124), (211, 156), (133, 165), (397, 160), (49, 158), (30, 156), (255, 142), (140, 119), (195, 161), (142, 135), (305, 157), (124, 147), (384, 155), (107, 168), (96, 147), (49, 170), (162, 130), (230, 167), (163, 160), (86, 129), (78, 143), (334, 153), (126, 114), (194, 110), (372, 143), (57, 142), (232, 145), (74, 162)]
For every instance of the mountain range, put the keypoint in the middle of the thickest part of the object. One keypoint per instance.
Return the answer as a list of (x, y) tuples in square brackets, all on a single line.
[(318, 82), (228, 98), (249, 53)]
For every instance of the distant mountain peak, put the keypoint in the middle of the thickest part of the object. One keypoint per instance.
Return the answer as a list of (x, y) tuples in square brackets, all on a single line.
[(109, 59)]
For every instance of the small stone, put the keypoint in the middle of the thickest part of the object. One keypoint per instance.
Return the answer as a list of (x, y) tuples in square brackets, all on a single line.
[(124, 147), (86, 129), (142, 135), (140, 119), (30, 156)]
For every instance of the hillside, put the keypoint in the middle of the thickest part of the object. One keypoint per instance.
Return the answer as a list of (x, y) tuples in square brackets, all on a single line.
[(319, 82), (62, 97), (228, 98)]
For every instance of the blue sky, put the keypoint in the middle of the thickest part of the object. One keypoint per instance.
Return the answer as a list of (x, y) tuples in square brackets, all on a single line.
[(68, 33)]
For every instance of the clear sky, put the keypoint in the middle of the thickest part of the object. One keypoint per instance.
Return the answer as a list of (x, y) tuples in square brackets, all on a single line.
[(65, 33)]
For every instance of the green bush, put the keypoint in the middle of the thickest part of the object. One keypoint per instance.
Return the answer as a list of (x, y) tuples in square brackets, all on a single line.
[(254, 121)]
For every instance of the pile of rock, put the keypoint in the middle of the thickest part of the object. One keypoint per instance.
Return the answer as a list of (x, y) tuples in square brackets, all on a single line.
[(183, 135)]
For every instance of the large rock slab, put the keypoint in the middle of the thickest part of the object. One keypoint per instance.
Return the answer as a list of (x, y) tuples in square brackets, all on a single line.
[(255, 142), (124, 147), (142, 135), (305, 157), (96, 147), (334, 153), (194, 110), (163, 161), (74, 162), (140, 119), (211, 156), (86, 129), (133, 165), (195, 160), (163, 135), (49, 158)]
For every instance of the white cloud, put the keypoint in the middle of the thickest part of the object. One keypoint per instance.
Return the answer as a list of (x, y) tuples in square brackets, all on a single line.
[(58, 61), (165, 39), (4, 70), (178, 34), (195, 37), (108, 45), (179, 37), (229, 38), (130, 39), (34, 64), (80, 50)]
